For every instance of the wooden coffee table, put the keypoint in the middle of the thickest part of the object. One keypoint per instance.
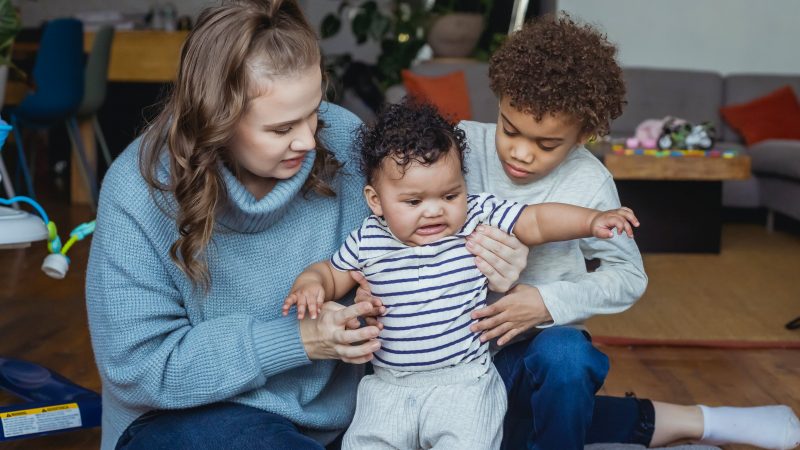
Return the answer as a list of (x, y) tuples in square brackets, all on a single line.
[(677, 199)]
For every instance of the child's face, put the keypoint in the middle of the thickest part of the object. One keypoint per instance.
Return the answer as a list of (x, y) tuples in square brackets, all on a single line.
[(422, 205), (530, 150), (277, 131)]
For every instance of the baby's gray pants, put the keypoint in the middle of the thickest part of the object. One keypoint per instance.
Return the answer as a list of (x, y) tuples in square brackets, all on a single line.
[(459, 408)]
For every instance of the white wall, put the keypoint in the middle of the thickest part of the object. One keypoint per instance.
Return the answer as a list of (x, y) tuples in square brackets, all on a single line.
[(727, 36)]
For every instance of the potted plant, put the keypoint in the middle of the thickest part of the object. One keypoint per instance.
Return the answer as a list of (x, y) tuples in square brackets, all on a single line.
[(399, 30), (457, 27), (10, 25)]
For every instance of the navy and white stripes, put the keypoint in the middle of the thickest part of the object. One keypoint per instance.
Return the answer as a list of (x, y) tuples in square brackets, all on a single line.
[(429, 291)]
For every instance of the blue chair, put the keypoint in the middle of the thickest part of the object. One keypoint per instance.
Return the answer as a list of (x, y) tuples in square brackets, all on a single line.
[(58, 77)]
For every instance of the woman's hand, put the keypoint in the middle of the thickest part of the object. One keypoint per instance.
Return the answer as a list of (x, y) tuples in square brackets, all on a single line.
[(512, 315), (335, 334), (498, 255)]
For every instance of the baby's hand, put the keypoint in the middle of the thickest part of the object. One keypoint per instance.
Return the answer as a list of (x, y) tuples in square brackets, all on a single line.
[(603, 224), (309, 296)]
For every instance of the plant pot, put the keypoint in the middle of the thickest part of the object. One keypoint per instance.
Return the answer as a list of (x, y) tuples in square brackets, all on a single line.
[(455, 35)]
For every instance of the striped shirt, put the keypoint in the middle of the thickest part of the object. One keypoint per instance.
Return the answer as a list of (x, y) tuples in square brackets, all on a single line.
[(429, 291)]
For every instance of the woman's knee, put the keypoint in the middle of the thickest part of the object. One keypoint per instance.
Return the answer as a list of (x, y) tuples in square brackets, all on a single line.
[(212, 427)]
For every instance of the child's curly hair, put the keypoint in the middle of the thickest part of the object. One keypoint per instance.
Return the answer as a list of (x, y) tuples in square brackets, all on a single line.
[(555, 65), (408, 131)]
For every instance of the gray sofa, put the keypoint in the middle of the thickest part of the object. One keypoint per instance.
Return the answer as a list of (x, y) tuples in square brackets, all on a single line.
[(693, 95), (698, 96)]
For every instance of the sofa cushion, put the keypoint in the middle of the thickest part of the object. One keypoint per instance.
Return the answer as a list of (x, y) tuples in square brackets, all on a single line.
[(743, 88), (776, 158), (773, 116), (483, 103), (656, 93), (448, 93)]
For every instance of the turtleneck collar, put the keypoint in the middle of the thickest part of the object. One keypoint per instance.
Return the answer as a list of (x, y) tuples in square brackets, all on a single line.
[(245, 214)]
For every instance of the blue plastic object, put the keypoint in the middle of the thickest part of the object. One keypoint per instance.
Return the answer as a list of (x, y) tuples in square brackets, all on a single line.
[(54, 404), (5, 128), (6, 181)]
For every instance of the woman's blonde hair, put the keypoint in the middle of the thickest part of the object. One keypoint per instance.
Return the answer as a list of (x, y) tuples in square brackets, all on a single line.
[(232, 50)]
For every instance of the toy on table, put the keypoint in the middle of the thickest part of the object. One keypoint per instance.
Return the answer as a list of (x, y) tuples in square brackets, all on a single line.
[(679, 134), (619, 149), (671, 133)]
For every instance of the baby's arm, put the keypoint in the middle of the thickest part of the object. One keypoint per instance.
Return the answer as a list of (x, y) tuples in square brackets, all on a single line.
[(319, 283), (551, 222)]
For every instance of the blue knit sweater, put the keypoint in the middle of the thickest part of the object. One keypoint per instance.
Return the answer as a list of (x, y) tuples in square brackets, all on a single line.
[(160, 343)]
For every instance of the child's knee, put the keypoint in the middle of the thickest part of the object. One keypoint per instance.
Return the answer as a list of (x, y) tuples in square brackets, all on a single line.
[(565, 355)]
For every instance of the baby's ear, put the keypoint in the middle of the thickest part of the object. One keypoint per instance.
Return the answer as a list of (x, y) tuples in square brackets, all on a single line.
[(373, 200)]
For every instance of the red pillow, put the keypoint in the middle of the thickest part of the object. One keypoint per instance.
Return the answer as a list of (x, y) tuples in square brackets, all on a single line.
[(773, 116), (448, 93)]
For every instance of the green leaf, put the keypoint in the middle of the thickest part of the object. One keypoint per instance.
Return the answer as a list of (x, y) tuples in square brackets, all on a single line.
[(370, 7), (9, 27), (379, 27), (331, 24), (360, 26)]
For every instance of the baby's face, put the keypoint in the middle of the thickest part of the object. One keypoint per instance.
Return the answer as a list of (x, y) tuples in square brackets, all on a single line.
[(422, 204)]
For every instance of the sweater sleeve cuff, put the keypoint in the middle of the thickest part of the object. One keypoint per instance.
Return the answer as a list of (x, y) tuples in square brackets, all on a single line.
[(278, 345), (554, 307)]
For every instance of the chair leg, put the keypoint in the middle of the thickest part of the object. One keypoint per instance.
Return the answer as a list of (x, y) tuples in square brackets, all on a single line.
[(88, 172), (102, 139), (7, 181), (770, 221), (22, 163)]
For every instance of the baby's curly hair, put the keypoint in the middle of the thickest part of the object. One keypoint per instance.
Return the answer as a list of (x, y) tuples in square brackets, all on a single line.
[(408, 131), (555, 65)]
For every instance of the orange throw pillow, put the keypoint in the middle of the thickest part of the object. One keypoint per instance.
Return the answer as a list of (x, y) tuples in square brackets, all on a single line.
[(773, 116), (448, 93)]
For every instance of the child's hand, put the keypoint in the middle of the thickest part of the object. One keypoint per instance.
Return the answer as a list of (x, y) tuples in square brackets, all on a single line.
[(363, 294), (604, 223), (310, 295)]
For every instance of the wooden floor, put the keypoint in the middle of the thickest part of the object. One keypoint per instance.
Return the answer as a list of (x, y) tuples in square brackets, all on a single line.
[(44, 321), (747, 293)]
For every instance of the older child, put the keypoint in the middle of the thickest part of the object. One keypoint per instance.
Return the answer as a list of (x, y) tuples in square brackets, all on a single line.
[(434, 384), (559, 84)]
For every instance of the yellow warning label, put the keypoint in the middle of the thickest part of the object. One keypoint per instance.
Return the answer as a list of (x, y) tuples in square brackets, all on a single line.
[(40, 420), (27, 412)]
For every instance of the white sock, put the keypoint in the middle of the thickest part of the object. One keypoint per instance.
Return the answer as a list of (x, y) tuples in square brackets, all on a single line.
[(772, 427)]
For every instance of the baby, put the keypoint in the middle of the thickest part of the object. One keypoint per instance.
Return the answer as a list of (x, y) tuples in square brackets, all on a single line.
[(434, 384)]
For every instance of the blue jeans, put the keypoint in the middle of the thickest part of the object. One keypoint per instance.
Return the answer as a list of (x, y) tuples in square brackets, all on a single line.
[(215, 426), (551, 382), (559, 371)]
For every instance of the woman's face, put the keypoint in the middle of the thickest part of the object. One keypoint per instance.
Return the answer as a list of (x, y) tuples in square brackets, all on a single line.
[(277, 131), (528, 149)]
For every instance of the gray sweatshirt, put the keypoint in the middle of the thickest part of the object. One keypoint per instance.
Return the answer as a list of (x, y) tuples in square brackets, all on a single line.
[(558, 269)]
